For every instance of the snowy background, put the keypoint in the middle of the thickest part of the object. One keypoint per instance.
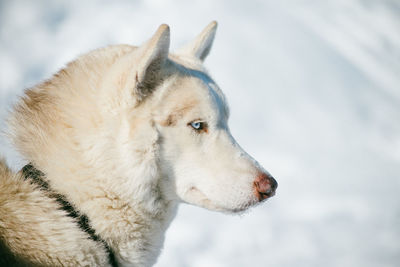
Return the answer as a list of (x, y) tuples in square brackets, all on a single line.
[(314, 90)]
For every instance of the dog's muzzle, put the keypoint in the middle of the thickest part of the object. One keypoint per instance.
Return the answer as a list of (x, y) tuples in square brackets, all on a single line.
[(265, 186)]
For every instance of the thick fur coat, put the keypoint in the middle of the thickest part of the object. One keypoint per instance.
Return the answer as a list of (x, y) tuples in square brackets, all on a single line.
[(125, 134)]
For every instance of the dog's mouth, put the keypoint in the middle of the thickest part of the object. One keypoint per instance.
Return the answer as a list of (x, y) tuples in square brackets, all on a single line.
[(196, 197)]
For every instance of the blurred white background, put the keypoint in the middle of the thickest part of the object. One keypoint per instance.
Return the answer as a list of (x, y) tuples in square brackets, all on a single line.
[(314, 90)]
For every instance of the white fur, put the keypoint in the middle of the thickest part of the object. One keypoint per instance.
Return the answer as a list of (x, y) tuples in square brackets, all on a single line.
[(112, 132)]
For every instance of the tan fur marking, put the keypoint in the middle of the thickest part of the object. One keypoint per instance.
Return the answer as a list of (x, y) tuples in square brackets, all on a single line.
[(178, 113)]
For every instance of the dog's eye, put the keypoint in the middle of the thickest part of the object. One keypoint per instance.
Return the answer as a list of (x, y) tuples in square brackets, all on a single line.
[(198, 126)]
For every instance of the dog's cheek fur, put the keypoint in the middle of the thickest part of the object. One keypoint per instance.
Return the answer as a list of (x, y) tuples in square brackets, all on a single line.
[(133, 144)]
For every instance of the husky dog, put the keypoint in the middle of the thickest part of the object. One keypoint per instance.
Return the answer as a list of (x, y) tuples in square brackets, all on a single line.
[(115, 141)]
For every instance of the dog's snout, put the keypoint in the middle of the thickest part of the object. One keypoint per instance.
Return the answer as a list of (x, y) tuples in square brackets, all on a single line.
[(265, 186)]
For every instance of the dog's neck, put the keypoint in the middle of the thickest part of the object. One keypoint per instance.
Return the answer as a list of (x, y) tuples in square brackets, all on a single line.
[(37, 177), (134, 232)]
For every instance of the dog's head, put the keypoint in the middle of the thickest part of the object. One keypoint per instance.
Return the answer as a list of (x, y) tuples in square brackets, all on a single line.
[(155, 121), (199, 160)]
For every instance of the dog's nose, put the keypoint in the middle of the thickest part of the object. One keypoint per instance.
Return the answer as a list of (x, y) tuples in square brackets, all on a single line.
[(265, 186)]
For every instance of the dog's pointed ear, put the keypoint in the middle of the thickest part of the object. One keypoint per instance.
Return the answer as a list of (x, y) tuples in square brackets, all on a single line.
[(152, 56), (201, 45)]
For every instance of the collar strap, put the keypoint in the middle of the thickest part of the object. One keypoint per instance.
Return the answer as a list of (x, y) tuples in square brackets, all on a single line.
[(36, 176)]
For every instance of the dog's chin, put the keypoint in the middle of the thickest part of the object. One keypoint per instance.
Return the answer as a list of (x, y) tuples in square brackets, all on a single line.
[(242, 209), (197, 198)]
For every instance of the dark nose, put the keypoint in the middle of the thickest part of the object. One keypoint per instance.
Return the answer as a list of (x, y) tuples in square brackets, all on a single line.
[(264, 186)]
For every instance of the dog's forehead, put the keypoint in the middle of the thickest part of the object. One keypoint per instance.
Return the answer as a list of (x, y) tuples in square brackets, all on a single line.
[(191, 81), (198, 87)]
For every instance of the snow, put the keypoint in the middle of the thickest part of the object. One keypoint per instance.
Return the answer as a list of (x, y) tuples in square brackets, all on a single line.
[(314, 91)]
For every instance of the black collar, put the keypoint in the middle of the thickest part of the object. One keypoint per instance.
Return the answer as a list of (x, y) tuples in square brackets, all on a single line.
[(36, 176)]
